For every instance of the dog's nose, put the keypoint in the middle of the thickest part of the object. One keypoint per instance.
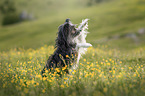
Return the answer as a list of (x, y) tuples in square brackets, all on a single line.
[(67, 20)]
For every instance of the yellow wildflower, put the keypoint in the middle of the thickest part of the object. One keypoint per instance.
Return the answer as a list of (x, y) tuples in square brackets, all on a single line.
[(43, 90), (105, 89), (26, 90), (67, 56), (62, 86)]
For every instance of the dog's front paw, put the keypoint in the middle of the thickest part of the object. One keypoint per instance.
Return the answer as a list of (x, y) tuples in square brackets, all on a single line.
[(83, 45)]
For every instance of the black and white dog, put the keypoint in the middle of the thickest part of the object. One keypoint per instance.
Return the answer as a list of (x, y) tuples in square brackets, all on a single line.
[(70, 44)]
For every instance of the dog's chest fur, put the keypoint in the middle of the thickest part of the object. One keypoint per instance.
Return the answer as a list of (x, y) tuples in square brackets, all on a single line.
[(60, 58)]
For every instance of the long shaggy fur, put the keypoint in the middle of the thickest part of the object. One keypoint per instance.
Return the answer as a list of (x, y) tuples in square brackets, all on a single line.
[(65, 53), (70, 44)]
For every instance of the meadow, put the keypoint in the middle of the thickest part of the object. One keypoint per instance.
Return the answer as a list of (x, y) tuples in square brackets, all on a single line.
[(102, 72), (112, 67)]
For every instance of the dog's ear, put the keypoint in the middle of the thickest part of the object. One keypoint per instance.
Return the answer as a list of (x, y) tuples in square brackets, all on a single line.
[(66, 29), (67, 20), (67, 25)]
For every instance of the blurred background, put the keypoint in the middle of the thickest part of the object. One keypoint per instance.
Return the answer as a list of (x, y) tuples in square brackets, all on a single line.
[(27, 24)]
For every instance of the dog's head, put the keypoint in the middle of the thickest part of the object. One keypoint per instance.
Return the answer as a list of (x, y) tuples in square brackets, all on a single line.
[(69, 29), (67, 33)]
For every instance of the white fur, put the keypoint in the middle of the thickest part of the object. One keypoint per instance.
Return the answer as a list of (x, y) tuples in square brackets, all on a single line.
[(83, 45), (80, 40)]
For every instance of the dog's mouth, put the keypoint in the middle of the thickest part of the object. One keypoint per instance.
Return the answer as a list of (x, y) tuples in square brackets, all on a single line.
[(75, 32)]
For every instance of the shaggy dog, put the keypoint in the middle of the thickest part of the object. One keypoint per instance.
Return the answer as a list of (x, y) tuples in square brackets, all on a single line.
[(68, 51)]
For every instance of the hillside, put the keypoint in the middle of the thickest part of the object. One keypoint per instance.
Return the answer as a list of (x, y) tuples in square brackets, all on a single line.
[(106, 19), (114, 66)]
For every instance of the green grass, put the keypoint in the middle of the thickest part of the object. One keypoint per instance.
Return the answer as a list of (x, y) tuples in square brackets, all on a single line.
[(106, 19), (102, 72), (114, 67)]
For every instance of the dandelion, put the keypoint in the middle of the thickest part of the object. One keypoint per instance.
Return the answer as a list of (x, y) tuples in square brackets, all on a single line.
[(108, 63), (67, 56), (73, 72), (65, 78), (64, 68), (86, 75), (105, 89), (110, 71), (99, 71), (32, 81), (43, 90), (92, 65), (75, 82), (100, 75), (113, 71), (4, 85), (93, 54), (12, 81), (62, 86), (46, 71), (84, 60), (130, 85), (130, 68), (26, 90), (44, 78), (57, 69), (88, 67), (37, 83)]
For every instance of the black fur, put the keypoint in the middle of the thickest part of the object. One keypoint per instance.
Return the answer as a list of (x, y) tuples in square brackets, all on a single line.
[(65, 53)]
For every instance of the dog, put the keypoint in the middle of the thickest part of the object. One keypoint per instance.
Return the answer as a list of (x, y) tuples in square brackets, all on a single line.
[(70, 44)]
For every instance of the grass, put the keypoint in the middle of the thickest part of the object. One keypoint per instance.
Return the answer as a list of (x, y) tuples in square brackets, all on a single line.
[(106, 19), (102, 72), (113, 67)]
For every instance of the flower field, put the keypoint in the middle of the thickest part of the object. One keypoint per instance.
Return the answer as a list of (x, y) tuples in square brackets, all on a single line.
[(102, 72)]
